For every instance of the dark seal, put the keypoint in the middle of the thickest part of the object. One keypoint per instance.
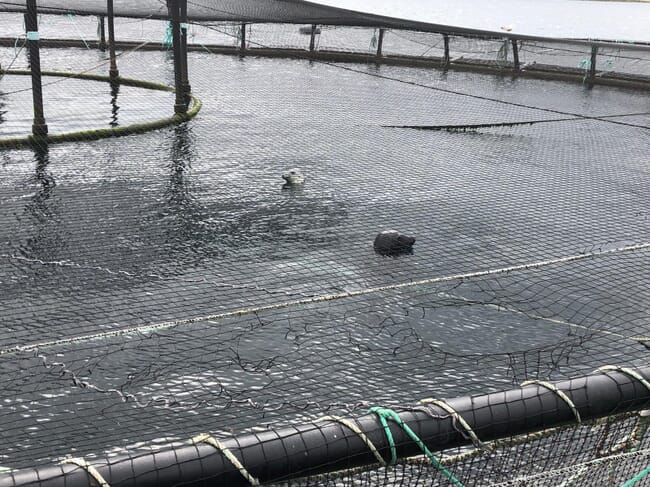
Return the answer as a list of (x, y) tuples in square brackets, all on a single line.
[(392, 243)]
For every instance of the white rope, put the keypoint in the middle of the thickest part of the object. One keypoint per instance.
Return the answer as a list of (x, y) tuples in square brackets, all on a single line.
[(454, 414), (205, 438), (548, 474), (553, 388), (371, 446), (629, 372), (90, 470), (318, 299)]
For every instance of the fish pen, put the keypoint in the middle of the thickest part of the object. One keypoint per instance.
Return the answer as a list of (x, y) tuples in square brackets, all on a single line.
[(178, 306)]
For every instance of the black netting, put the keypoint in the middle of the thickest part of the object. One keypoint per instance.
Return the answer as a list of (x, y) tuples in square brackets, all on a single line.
[(165, 284)]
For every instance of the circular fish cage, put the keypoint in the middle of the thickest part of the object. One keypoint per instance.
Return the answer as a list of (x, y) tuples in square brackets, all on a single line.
[(171, 312)]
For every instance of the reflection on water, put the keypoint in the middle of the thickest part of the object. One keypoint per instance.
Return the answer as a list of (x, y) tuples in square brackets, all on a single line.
[(2, 105), (42, 211), (115, 108), (182, 213)]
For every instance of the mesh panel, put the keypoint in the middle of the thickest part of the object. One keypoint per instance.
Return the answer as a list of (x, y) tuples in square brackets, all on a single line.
[(165, 284)]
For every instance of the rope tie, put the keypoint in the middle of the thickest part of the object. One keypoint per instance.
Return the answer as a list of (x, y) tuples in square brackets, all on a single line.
[(637, 477), (90, 470), (71, 19), (359, 433), (167, 38), (553, 388), (457, 417), (205, 438), (384, 415), (629, 372)]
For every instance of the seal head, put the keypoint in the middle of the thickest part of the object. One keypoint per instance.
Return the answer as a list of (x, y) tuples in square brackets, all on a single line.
[(294, 176), (392, 242)]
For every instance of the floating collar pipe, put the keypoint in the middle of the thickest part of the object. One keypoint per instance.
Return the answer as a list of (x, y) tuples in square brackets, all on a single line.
[(314, 448)]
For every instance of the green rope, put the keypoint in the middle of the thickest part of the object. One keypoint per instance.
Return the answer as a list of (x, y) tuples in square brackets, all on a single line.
[(637, 477), (167, 40), (385, 414), (74, 24)]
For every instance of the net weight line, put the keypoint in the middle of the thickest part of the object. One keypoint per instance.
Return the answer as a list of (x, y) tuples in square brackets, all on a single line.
[(320, 299), (316, 448)]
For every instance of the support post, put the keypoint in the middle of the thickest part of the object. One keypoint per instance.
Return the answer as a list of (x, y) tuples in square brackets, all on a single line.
[(312, 39), (179, 105), (592, 63), (113, 73), (102, 32), (515, 54), (242, 46), (187, 89), (39, 127), (445, 59), (380, 43)]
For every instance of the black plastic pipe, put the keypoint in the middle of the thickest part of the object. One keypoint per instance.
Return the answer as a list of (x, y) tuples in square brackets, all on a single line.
[(515, 54), (175, 18), (242, 46), (321, 447), (380, 43), (112, 70), (445, 58), (312, 39), (102, 32), (39, 127), (187, 89), (592, 62)]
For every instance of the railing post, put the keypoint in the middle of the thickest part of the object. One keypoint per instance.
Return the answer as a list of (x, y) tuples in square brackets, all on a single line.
[(242, 46), (113, 73), (312, 39), (39, 127), (515, 54), (592, 63), (380, 43), (187, 89), (174, 10), (445, 59), (102, 32)]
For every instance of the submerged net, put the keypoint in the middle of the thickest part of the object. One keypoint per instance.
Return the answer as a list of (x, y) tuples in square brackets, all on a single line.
[(164, 284)]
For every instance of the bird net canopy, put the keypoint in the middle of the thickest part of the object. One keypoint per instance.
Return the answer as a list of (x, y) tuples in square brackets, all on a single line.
[(332, 13), (209, 10)]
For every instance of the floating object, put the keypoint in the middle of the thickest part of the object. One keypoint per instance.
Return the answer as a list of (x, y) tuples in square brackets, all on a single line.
[(294, 176), (507, 28), (307, 30), (391, 242)]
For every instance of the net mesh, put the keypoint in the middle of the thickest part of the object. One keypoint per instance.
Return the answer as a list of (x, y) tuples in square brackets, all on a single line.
[(165, 284)]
